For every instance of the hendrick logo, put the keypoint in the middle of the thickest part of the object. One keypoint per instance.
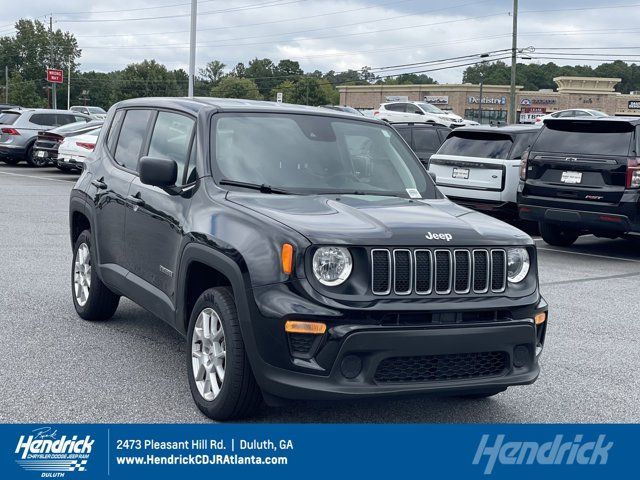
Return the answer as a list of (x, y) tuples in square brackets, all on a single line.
[(439, 236), (556, 452), (44, 450)]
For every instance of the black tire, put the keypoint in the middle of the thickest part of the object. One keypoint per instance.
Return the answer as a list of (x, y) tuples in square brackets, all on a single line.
[(35, 161), (101, 303), (11, 160), (63, 168), (239, 395), (557, 236), (483, 394)]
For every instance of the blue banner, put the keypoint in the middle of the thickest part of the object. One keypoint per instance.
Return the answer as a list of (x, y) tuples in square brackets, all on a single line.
[(96, 451)]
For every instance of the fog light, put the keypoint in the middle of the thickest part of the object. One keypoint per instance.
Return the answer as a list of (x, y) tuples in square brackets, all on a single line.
[(315, 328), (540, 318), (351, 366), (520, 356)]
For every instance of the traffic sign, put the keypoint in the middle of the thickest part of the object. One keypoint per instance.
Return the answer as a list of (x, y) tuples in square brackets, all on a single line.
[(54, 75)]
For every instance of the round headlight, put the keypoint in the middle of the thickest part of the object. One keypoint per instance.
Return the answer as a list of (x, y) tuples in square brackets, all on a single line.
[(517, 264), (332, 265)]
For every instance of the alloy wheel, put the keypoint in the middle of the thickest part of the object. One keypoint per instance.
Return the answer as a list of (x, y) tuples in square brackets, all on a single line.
[(208, 353), (82, 274)]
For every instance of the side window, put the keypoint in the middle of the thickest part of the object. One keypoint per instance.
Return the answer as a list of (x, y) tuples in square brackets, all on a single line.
[(65, 118), (426, 140), (45, 119), (413, 109), (405, 133), (395, 107), (80, 119), (171, 139), (132, 132), (112, 135)]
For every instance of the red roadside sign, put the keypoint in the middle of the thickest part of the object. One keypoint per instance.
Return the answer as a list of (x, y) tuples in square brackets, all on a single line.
[(54, 75)]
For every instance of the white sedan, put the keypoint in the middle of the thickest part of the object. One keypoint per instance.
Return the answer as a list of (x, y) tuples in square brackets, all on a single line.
[(73, 151), (571, 113)]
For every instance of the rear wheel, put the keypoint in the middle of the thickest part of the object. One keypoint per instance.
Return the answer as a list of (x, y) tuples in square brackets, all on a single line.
[(557, 236), (35, 161), (220, 376)]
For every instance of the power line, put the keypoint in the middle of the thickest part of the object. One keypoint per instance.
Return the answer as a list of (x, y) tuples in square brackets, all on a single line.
[(155, 7)]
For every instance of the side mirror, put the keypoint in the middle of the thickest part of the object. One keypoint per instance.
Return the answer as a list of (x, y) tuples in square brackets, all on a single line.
[(159, 172)]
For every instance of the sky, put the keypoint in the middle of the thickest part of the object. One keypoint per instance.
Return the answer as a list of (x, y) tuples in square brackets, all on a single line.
[(341, 34)]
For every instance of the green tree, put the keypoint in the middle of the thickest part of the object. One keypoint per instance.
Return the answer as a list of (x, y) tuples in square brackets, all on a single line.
[(148, 79), (263, 73), (213, 71), (25, 92), (234, 87), (306, 91)]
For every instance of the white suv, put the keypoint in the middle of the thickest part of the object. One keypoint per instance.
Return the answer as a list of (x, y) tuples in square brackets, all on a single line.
[(479, 167), (418, 112)]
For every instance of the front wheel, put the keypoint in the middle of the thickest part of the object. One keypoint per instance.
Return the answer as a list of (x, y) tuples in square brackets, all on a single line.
[(92, 298), (220, 376), (557, 236)]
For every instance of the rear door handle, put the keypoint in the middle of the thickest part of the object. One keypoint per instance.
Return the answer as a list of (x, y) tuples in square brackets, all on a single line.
[(99, 184), (135, 199)]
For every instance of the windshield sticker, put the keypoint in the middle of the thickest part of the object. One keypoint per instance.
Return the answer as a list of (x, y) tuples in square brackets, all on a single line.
[(413, 193)]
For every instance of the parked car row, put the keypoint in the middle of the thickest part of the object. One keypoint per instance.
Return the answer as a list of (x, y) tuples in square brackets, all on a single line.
[(35, 134), (66, 147), (573, 176)]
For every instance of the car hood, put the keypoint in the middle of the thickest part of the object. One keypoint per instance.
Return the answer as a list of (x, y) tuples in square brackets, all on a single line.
[(380, 220)]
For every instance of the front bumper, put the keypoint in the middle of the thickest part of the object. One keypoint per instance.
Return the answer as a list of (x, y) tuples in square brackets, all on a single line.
[(352, 358), (505, 210)]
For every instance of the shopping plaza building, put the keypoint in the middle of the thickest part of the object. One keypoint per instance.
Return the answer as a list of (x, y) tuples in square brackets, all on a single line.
[(571, 92)]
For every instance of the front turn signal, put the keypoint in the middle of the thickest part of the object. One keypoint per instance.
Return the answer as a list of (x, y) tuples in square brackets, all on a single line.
[(314, 328), (287, 258), (540, 318)]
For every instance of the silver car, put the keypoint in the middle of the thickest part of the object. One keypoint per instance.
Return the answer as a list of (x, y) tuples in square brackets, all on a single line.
[(96, 113), (19, 130)]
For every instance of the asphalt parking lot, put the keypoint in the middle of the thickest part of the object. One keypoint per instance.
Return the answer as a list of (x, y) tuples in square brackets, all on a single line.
[(55, 367)]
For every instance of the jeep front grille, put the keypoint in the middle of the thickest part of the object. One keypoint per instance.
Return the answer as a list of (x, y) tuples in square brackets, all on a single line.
[(438, 271)]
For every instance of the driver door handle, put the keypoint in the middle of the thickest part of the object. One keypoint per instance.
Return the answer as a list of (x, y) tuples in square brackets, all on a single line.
[(135, 199)]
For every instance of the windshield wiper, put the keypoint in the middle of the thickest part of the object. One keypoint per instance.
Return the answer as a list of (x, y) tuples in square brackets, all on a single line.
[(263, 188)]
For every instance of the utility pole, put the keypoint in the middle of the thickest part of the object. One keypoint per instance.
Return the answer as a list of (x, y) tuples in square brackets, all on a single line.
[(6, 84), (69, 85), (514, 51), (192, 46), (480, 99), (53, 91)]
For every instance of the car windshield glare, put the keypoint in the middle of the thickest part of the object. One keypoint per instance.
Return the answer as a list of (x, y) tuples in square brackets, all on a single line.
[(309, 154), (427, 107)]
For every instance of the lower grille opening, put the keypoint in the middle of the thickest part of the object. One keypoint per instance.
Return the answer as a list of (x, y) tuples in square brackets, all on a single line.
[(429, 368), (301, 342)]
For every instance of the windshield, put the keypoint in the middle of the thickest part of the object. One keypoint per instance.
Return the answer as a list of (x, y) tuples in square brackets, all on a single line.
[(316, 154), (427, 107), (477, 144), (96, 110), (597, 137)]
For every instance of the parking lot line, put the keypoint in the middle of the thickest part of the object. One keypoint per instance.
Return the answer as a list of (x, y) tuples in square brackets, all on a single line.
[(38, 178), (622, 259)]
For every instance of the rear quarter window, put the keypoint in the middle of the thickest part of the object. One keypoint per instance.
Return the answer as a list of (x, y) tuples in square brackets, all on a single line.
[(477, 144), (8, 118), (586, 138), (44, 119)]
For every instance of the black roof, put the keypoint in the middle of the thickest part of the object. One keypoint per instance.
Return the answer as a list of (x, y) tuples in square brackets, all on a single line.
[(197, 104), (418, 124)]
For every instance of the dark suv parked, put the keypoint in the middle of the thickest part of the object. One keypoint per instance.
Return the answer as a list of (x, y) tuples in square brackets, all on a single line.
[(583, 176), (424, 139), (304, 253)]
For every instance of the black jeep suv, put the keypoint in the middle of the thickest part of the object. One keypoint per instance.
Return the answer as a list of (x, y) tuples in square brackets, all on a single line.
[(304, 253), (583, 176)]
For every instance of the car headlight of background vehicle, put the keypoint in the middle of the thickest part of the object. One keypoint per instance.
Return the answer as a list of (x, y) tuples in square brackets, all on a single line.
[(518, 264), (332, 265)]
